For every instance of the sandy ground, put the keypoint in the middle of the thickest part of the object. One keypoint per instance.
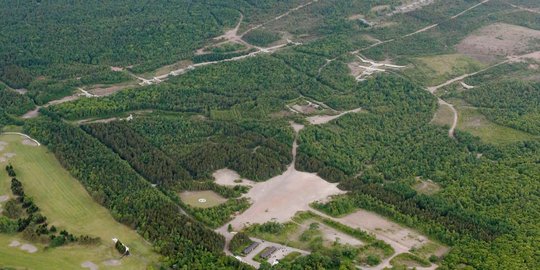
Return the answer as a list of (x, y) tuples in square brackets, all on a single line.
[(23, 135), (29, 142), (455, 118), (112, 262), (29, 248), (14, 243), (9, 155), (323, 119), (89, 265), (409, 6), (400, 238), (4, 198), (226, 177), (496, 40), (363, 67), (282, 196), (331, 235)]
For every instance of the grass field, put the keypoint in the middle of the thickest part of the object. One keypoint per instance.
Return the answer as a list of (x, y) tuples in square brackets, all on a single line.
[(444, 116), (409, 260), (472, 121), (68, 206), (434, 70), (202, 199)]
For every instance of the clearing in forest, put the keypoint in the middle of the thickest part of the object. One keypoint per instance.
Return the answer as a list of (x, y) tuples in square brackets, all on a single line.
[(67, 205), (434, 70), (202, 199), (402, 239), (499, 40), (473, 121), (444, 116)]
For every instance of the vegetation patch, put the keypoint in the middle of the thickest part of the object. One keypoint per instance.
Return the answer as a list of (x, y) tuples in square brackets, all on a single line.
[(409, 260), (444, 116), (471, 119), (434, 70), (261, 37), (68, 208), (202, 199)]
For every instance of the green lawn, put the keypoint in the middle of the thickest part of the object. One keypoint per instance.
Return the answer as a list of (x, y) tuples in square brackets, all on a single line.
[(444, 116), (434, 70), (68, 206), (471, 120), (202, 199)]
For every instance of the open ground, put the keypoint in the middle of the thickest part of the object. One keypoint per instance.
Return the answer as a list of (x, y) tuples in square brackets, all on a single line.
[(202, 199), (67, 205)]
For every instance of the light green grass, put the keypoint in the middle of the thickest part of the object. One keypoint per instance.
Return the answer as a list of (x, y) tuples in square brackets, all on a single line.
[(426, 187), (192, 198), (409, 260), (68, 206), (471, 120), (444, 116), (434, 70)]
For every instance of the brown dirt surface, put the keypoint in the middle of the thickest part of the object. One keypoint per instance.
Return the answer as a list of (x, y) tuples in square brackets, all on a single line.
[(499, 40)]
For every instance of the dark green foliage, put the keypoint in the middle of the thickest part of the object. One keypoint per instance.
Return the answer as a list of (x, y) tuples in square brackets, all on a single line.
[(12, 209), (261, 37), (121, 248), (257, 150), (252, 88), (511, 103), (14, 103), (146, 159), (130, 198), (16, 186), (11, 172), (216, 216), (215, 56), (238, 242), (8, 225)]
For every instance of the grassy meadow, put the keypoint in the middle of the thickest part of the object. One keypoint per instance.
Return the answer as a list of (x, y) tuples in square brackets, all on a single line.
[(67, 205)]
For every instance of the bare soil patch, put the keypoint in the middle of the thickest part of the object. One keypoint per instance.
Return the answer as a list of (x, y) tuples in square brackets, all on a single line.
[(29, 248), (29, 142), (202, 199), (227, 177), (410, 5), (400, 238), (4, 198), (14, 243), (105, 91), (427, 187), (282, 196), (89, 265), (323, 119), (499, 40), (112, 262)]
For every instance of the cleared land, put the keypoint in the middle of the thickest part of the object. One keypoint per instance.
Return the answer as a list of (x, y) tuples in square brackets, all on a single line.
[(202, 199), (444, 116), (68, 206), (499, 40), (434, 70), (402, 239), (472, 121)]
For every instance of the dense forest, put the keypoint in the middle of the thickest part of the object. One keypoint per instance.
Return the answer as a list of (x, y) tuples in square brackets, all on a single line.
[(236, 115), (511, 103), (131, 199)]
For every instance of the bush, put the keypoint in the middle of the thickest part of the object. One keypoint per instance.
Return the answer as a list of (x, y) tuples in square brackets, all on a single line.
[(8, 225)]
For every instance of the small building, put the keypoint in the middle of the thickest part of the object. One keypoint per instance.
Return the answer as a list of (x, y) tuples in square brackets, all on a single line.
[(268, 252), (250, 248)]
